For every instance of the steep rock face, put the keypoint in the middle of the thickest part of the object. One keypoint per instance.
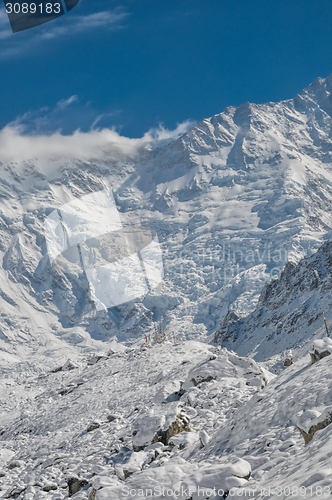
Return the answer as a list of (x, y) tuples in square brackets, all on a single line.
[(289, 311)]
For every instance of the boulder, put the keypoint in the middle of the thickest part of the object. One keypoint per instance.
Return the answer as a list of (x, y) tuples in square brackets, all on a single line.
[(320, 349), (180, 424), (92, 495), (93, 426), (68, 366), (288, 361), (159, 424), (50, 487), (75, 484), (311, 421)]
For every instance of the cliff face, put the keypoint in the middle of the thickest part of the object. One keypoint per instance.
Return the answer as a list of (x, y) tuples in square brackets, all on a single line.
[(289, 312)]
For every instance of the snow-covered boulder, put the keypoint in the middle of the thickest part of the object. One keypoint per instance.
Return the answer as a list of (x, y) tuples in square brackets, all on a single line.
[(75, 484), (320, 349), (137, 461), (68, 366), (185, 440), (226, 367), (170, 392), (311, 421), (183, 480), (222, 477), (159, 424)]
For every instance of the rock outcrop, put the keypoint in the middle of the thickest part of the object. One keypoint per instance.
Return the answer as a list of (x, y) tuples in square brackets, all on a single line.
[(159, 425), (321, 348), (308, 426)]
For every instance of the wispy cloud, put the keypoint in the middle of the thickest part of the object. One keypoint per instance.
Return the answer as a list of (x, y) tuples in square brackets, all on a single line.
[(78, 24), (5, 31), (46, 119), (66, 26), (66, 116), (64, 103)]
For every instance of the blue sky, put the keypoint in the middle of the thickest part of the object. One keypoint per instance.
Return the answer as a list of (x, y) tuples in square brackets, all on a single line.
[(136, 64)]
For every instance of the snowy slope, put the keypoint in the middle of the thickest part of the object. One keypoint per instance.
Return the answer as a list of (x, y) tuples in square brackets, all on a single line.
[(170, 418), (97, 422)]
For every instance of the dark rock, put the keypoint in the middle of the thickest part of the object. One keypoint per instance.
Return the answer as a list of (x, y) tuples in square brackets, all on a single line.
[(112, 418), (316, 355), (93, 427), (92, 495), (50, 487), (75, 484), (15, 492), (288, 361), (307, 436), (16, 463), (127, 473), (199, 381), (181, 424)]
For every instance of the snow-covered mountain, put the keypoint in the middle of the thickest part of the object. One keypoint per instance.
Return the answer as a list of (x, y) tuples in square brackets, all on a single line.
[(232, 200)]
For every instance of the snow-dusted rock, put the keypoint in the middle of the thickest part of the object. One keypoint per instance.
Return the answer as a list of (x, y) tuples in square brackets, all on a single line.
[(223, 368), (159, 424), (75, 484), (311, 421), (320, 349), (69, 365), (93, 426), (288, 361)]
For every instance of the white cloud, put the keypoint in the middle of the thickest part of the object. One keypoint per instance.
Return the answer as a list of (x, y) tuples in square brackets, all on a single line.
[(162, 133), (48, 151)]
